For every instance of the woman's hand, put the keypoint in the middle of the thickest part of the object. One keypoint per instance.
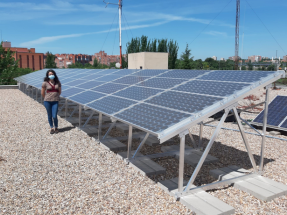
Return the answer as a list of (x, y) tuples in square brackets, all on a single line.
[(60, 90), (43, 92)]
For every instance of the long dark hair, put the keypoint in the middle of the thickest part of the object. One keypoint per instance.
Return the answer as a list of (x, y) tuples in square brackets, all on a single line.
[(56, 79)]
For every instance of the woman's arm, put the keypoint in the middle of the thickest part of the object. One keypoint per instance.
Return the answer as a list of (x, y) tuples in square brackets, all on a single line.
[(60, 90), (43, 92)]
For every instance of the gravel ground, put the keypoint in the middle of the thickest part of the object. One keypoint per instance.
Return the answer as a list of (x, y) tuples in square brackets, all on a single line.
[(70, 173)]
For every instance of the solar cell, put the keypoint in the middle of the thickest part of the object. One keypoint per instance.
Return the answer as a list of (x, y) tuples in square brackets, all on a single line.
[(108, 78), (110, 105), (67, 80), (161, 83), (109, 88), (130, 80), (284, 124), (75, 82), (86, 97), (211, 88), (185, 74), (89, 84), (93, 76), (137, 93), (149, 73), (151, 118), (235, 76), (190, 103), (277, 111), (71, 91), (123, 72)]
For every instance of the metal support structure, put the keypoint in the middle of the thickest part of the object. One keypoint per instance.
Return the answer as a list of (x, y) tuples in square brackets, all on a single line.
[(75, 109), (36, 94), (245, 140), (100, 126), (110, 128), (88, 120), (192, 139), (32, 92), (80, 115), (66, 108), (141, 145), (206, 151), (200, 134), (130, 142), (181, 162), (261, 165)]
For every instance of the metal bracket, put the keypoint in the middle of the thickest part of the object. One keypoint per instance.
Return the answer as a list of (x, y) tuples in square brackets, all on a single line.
[(89, 118), (141, 145), (268, 86)]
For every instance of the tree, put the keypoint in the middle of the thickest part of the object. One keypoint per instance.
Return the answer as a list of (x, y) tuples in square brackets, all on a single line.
[(243, 68), (96, 63), (113, 64), (8, 64), (250, 66), (186, 58), (124, 63), (172, 54), (50, 61), (271, 67)]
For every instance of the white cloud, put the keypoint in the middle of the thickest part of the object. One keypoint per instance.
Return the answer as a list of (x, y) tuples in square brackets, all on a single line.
[(44, 40), (216, 33)]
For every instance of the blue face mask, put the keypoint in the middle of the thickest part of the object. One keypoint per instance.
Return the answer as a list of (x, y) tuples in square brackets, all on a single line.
[(52, 76)]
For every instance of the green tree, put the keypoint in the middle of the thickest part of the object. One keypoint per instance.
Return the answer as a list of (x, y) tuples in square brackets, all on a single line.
[(8, 64), (186, 58), (271, 67), (113, 64), (172, 54), (205, 65), (250, 66), (124, 63), (96, 63), (50, 61), (243, 68)]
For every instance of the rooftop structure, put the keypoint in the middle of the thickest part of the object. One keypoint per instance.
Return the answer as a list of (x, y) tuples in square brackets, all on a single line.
[(148, 60)]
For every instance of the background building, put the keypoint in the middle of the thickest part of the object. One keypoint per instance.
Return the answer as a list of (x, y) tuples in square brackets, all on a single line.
[(148, 60), (214, 58), (28, 58), (255, 58)]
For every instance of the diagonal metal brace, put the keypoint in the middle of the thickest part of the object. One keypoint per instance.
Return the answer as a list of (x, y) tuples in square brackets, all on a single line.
[(89, 118), (141, 145), (110, 128)]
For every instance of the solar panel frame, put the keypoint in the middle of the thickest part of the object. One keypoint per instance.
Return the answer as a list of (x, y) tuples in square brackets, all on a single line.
[(194, 118)]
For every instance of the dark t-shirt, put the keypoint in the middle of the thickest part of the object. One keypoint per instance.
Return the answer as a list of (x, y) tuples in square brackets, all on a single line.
[(52, 96)]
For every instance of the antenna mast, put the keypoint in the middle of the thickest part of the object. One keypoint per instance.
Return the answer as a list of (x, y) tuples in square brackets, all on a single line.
[(120, 4), (237, 34)]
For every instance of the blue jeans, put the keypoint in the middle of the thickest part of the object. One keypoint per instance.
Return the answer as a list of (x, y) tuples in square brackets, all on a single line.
[(52, 110)]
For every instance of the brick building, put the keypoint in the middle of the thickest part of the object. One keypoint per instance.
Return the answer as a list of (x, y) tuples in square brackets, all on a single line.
[(285, 58), (28, 58), (104, 58), (255, 58)]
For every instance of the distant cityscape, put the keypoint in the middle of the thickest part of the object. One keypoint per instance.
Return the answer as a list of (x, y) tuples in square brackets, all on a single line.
[(28, 58)]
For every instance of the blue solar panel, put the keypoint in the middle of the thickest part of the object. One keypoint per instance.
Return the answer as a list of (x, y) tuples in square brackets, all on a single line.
[(183, 101), (211, 88), (71, 91), (149, 73), (236, 76), (151, 118), (108, 78), (75, 82), (67, 80), (123, 72), (185, 74), (89, 84), (110, 105), (130, 80), (93, 76), (277, 111), (284, 124), (109, 88), (86, 97), (137, 93), (162, 83)]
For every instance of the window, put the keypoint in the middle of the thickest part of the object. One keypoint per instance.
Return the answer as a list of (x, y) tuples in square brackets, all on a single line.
[(20, 57), (33, 63), (40, 62), (27, 61)]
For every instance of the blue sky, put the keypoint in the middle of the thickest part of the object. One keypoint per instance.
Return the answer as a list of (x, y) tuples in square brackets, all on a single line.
[(82, 26)]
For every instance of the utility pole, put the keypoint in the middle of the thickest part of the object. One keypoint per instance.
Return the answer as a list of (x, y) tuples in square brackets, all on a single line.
[(237, 34), (120, 4)]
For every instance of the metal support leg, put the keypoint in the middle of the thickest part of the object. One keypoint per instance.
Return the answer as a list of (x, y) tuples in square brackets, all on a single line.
[(130, 141), (36, 94), (206, 151), (88, 120), (141, 145), (245, 140), (110, 128), (264, 131), (80, 115), (181, 163), (192, 139), (75, 109), (32, 92), (200, 135), (100, 126), (66, 108)]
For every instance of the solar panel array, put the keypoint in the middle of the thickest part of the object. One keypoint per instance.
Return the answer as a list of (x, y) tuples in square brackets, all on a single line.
[(152, 100), (277, 113)]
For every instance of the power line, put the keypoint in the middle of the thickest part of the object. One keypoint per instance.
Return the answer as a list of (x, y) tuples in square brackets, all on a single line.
[(210, 22), (266, 27), (128, 25)]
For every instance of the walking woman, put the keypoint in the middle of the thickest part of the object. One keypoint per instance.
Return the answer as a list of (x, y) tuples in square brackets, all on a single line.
[(51, 91)]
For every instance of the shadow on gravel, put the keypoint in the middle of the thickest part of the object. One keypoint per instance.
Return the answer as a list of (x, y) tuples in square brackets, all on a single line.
[(2, 159), (66, 128)]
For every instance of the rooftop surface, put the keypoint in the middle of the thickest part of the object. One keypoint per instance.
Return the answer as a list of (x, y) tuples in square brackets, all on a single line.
[(71, 173)]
